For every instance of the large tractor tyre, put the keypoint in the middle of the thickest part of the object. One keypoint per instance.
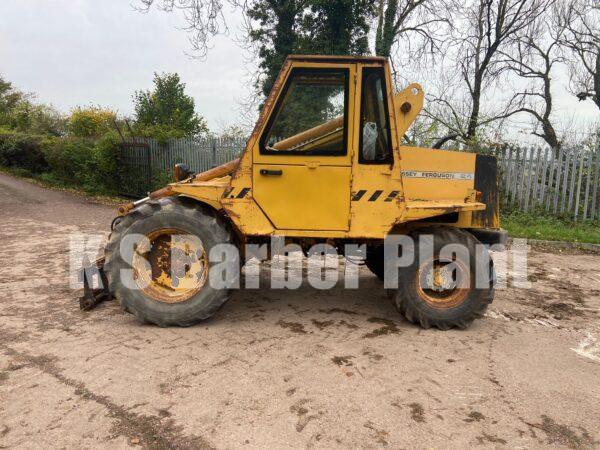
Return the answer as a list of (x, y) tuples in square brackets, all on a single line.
[(374, 261), (167, 280), (435, 292)]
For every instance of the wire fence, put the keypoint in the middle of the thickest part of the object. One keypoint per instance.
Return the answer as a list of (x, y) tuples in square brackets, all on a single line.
[(561, 182)]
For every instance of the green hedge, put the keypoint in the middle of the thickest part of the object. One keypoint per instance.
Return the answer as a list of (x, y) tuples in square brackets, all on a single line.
[(22, 151), (88, 164)]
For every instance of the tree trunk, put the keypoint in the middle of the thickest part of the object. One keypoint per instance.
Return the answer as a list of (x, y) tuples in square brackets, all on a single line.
[(476, 99), (385, 41)]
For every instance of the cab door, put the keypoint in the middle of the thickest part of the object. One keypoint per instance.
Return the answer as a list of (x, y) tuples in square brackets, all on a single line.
[(302, 166)]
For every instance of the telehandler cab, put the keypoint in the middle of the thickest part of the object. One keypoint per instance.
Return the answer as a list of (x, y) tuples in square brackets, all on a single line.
[(324, 164)]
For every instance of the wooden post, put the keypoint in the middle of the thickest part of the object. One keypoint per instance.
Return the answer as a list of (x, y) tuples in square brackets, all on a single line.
[(596, 181), (559, 164), (527, 163), (515, 176), (536, 179), (565, 180), (550, 177), (578, 192), (521, 178), (542, 189), (508, 177), (590, 168), (571, 187)]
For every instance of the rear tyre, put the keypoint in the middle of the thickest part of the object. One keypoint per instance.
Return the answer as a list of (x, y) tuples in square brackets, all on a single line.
[(443, 292), (168, 282)]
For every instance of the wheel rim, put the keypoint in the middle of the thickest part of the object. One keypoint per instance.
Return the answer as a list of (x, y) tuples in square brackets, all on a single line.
[(443, 284), (170, 266)]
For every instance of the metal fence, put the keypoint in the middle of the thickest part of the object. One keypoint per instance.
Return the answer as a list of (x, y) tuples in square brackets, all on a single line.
[(198, 153), (563, 182), (146, 164)]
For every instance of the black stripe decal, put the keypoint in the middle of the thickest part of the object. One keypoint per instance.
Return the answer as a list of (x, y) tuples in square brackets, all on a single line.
[(375, 196), (358, 195), (392, 196), (243, 193)]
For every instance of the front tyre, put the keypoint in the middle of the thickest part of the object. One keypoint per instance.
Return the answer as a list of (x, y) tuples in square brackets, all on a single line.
[(446, 289), (157, 262)]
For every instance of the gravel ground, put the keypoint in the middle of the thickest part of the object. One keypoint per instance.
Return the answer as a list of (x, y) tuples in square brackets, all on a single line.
[(278, 369)]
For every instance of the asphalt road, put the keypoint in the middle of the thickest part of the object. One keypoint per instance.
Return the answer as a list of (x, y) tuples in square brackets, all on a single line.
[(279, 369)]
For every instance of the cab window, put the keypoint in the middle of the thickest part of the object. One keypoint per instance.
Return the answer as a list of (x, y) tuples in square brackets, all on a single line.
[(311, 115), (375, 139)]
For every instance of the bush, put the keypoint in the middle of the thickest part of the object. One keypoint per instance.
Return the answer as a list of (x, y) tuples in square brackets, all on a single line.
[(38, 119), (92, 121), (70, 161), (160, 133), (22, 173), (22, 151), (160, 178), (89, 165), (105, 159)]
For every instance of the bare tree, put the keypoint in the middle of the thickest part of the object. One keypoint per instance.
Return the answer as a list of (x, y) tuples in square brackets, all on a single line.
[(532, 57), (581, 22), (204, 19), (419, 23), (485, 28)]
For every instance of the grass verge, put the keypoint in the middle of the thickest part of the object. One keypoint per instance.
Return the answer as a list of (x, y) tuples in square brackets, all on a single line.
[(541, 226)]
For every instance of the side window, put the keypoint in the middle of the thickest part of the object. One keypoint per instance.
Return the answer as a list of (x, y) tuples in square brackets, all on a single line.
[(375, 144), (310, 117)]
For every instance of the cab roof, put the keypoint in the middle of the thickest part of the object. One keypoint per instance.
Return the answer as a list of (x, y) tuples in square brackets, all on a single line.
[(338, 58)]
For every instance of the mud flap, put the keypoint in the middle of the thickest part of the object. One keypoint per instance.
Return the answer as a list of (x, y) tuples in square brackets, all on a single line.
[(92, 296)]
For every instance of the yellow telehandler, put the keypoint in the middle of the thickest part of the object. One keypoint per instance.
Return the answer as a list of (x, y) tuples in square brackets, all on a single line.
[(324, 164)]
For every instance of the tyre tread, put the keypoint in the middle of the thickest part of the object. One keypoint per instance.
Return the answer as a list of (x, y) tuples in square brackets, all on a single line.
[(206, 218), (409, 310)]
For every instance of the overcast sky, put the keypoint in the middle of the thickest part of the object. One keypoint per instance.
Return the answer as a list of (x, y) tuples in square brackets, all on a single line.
[(80, 52), (77, 52)]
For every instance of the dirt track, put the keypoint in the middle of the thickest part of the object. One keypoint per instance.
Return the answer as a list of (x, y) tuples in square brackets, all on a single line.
[(277, 369)]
